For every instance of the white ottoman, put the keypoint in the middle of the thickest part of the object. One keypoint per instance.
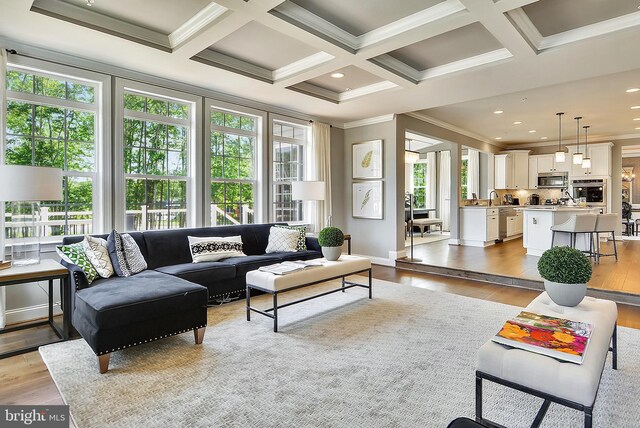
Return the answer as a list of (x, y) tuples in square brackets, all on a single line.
[(274, 284), (569, 384)]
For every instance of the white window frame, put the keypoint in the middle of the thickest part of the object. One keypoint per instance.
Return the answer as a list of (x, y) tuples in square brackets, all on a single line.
[(259, 155), (194, 166), (307, 158), (101, 177)]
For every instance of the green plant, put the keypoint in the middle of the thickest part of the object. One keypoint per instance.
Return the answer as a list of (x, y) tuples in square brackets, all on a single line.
[(565, 265), (331, 237)]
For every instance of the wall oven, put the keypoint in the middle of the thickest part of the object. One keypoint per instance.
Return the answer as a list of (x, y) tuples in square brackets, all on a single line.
[(553, 180), (593, 191)]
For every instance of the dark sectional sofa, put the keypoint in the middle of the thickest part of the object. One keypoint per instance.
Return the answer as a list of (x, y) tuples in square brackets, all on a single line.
[(171, 296)]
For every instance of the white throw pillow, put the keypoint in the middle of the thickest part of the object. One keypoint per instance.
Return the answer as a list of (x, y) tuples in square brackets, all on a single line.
[(212, 248), (98, 254), (281, 239)]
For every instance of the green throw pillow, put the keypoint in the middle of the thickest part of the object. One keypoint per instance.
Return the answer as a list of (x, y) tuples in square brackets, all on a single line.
[(74, 253), (301, 245)]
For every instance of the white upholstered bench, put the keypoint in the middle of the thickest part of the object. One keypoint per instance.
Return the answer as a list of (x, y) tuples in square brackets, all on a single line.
[(427, 222), (275, 284), (569, 384)]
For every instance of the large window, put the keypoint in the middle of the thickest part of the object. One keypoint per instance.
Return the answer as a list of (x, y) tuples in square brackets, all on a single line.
[(234, 138), (464, 177), (157, 137), (289, 151), (51, 121), (420, 184)]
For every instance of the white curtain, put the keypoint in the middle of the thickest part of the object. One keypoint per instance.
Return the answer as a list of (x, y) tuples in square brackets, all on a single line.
[(3, 103), (320, 211), (445, 189), (473, 173), (432, 180)]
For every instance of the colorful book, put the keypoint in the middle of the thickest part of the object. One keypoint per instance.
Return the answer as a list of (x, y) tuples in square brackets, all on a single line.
[(559, 338)]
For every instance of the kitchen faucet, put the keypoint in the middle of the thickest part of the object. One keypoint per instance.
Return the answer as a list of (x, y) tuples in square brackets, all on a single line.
[(490, 199), (565, 191)]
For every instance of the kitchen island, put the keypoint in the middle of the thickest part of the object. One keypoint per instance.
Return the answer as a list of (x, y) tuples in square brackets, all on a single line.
[(537, 224)]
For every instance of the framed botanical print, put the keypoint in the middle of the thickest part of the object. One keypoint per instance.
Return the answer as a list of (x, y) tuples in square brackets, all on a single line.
[(367, 200), (367, 160)]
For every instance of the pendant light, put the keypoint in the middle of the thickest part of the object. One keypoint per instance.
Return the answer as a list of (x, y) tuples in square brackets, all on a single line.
[(560, 153), (577, 156), (586, 160)]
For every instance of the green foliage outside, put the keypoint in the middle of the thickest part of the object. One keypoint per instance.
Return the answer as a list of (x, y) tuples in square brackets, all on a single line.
[(565, 265), (420, 185), (330, 237), (464, 178)]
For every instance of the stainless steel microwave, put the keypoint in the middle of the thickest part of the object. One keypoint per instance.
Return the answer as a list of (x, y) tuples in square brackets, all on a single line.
[(553, 180)]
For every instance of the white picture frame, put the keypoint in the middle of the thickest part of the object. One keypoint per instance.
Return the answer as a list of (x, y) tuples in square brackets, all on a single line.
[(367, 160), (368, 201)]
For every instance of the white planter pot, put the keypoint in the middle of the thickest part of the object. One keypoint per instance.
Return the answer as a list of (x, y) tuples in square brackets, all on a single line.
[(331, 253), (565, 294)]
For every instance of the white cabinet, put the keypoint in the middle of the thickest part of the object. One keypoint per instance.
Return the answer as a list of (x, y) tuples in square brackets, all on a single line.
[(562, 166), (514, 224), (533, 172), (600, 155), (478, 226), (512, 170), (546, 163)]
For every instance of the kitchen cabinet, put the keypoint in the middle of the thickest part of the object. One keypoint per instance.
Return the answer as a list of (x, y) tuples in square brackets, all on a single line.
[(512, 170), (478, 226), (600, 155), (533, 172), (514, 225), (547, 163)]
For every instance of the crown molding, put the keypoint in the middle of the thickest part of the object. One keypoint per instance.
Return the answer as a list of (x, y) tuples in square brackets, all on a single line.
[(397, 67), (208, 15), (225, 62), (369, 121), (366, 90), (315, 91), (464, 64), (302, 65)]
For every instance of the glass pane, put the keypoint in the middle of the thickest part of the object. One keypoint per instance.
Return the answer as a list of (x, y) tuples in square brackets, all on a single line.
[(217, 193), (299, 133), (178, 110), (216, 167), (217, 118), (232, 193), (80, 156), (231, 145), (231, 168), (18, 151), (156, 135), (20, 82), (156, 162), (247, 123), (19, 118), (80, 93), (50, 87), (177, 163), (246, 169), (247, 193), (80, 201), (246, 147), (287, 131), (49, 122), (231, 121), (134, 102), (135, 195), (294, 153), (80, 125), (277, 130), (134, 160), (157, 204), (133, 130), (49, 153), (178, 204), (157, 106), (285, 152), (177, 137), (216, 143)]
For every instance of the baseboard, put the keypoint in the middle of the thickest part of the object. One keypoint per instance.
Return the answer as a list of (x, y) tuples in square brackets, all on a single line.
[(453, 241), (19, 315), (378, 260), (394, 255)]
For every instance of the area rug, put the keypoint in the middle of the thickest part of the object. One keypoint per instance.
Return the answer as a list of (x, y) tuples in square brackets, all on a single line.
[(404, 359), (426, 239)]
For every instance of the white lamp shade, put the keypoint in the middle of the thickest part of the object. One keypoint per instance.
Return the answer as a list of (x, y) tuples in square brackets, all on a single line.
[(307, 190), (30, 183), (577, 158), (586, 163), (559, 156)]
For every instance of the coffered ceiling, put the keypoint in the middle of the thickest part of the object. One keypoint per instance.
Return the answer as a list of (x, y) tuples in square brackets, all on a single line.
[(447, 59)]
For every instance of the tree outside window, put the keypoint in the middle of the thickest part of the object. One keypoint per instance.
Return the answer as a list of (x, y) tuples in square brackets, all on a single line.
[(289, 147), (464, 177), (420, 185)]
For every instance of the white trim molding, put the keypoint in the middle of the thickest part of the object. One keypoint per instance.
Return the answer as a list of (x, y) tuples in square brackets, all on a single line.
[(423, 117), (369, 121), (206, 17)]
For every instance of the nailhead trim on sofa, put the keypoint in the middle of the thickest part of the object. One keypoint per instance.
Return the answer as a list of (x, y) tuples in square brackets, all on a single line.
[(149, 340)]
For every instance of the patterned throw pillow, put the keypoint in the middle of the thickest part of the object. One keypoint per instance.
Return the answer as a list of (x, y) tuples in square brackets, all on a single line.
[(302, 238), (125, 254), (98, 254), (212, 248), (74, 254), (281, 239)]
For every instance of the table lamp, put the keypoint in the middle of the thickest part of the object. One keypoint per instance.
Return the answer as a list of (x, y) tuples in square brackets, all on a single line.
[(309, 191), (25, 187)]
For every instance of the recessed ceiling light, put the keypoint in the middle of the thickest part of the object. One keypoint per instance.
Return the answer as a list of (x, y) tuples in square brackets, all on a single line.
[(543, 138), (635, 107), (638, 127), (532, 131), (337, 75), (498, 138), (633, 90), (637, 118), (517, 122), (498, 112)]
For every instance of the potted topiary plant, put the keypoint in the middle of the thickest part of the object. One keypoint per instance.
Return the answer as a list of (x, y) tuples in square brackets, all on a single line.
[(566, 272), (331, 240)]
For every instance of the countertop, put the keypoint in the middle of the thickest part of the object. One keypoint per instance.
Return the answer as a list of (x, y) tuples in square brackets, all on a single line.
[(554, 208)]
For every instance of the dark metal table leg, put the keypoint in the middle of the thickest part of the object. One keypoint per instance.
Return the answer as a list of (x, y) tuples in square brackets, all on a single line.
[(275, 312), (588, 417), (541, 413), (51, 300), (478, 399), (370, 285), (343, 284), (65, 297), (248, 298), (614, 348)]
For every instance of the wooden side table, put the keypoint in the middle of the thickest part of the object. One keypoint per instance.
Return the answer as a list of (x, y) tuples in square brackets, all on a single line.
[(47, 270), (347, 237)]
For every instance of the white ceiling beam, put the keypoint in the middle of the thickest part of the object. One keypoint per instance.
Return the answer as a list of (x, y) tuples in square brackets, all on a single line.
[(507, 5)]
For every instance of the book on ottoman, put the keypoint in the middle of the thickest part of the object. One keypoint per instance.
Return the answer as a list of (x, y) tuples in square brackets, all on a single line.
[(559, 338)]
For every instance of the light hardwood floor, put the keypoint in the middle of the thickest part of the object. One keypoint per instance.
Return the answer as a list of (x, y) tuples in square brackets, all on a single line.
[(24, 379), (510, 259)]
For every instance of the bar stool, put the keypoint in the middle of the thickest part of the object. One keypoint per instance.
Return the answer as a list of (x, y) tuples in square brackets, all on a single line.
[(579, 223), (606, 223)]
